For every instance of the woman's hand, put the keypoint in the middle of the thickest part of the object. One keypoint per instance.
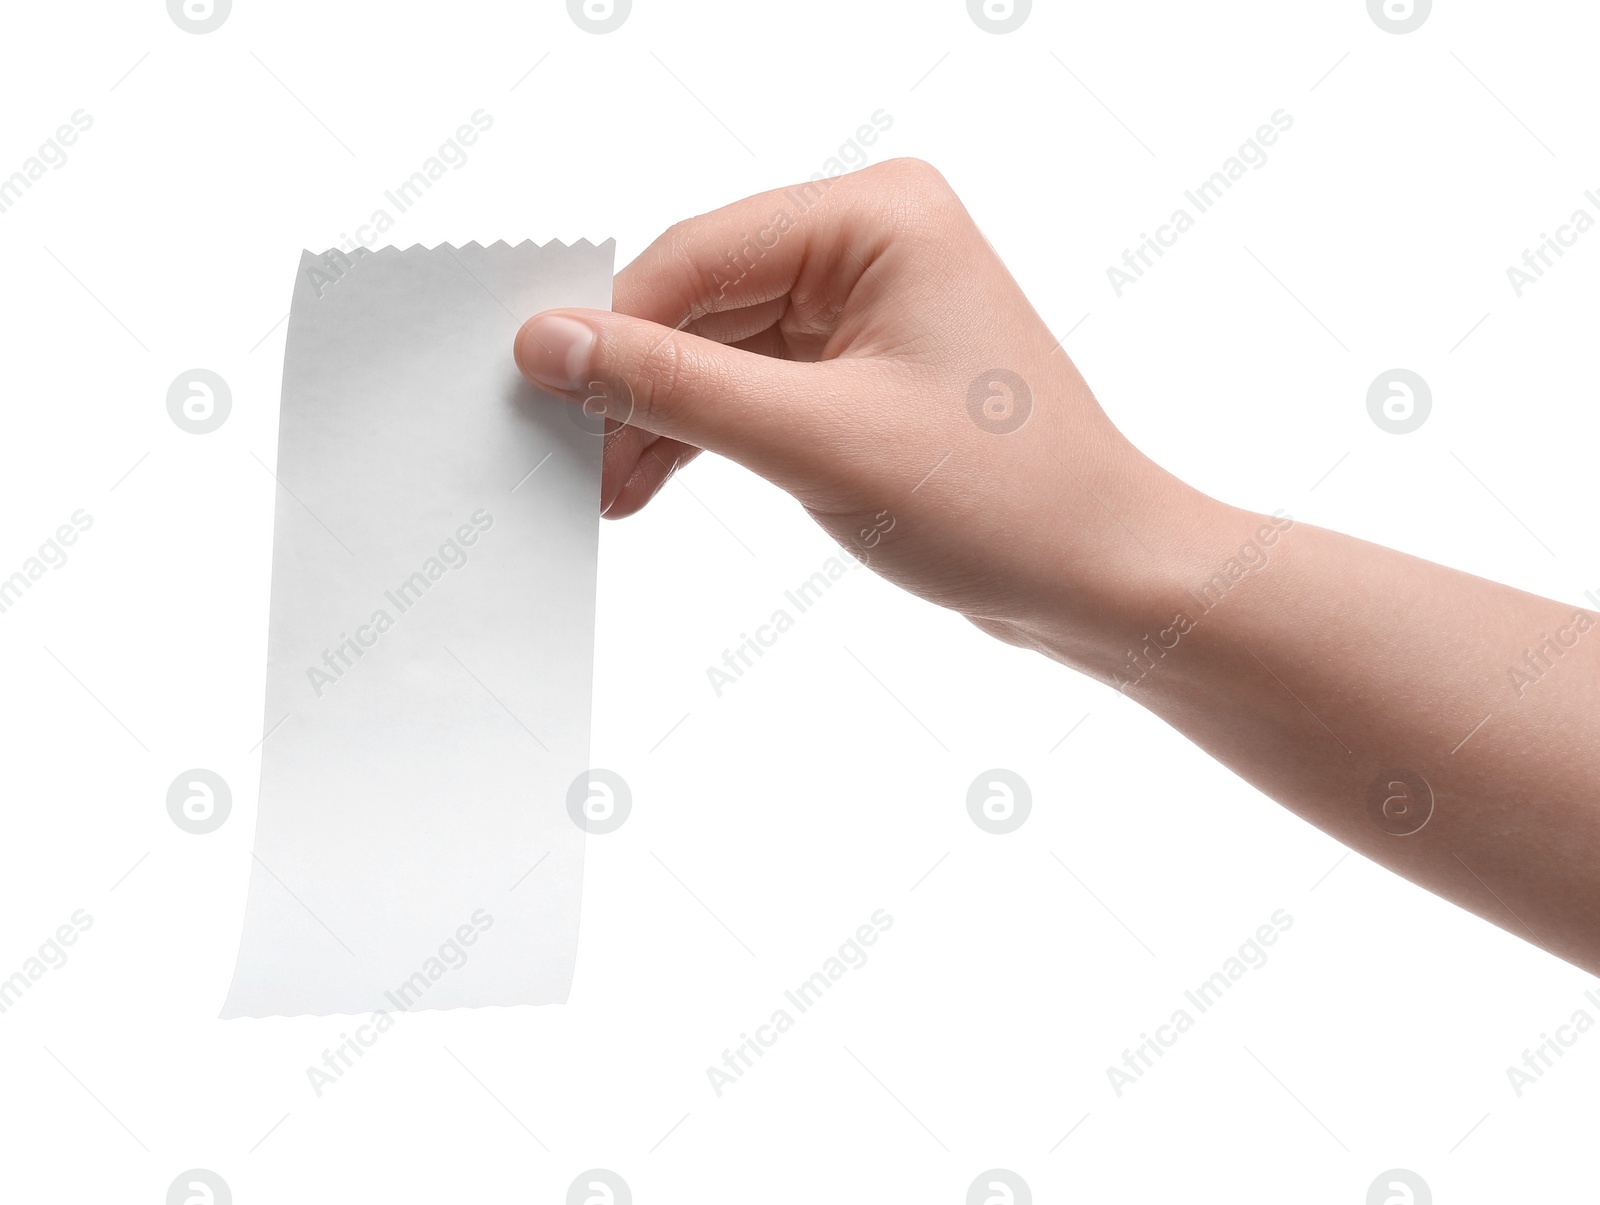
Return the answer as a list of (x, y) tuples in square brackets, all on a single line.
[(858, 342)]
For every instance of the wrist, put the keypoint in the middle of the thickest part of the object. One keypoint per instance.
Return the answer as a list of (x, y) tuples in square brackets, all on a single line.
[(1170, 557)]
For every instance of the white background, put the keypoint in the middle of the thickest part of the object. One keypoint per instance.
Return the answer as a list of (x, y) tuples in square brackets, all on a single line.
[(770, 822)]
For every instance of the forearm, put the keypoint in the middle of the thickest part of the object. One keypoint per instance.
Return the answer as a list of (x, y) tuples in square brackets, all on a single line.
[(886, 369), (1354, 684)]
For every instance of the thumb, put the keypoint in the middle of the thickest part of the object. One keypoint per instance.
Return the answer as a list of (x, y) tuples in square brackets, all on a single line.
[(766, 413)]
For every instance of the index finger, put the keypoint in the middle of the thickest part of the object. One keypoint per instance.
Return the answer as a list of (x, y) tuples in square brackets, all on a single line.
[(812, 239)]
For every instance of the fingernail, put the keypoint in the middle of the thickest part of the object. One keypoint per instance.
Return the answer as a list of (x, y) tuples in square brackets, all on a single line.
[(554, 351)]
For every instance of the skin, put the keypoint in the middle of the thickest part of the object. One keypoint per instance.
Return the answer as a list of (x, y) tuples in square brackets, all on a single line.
[(834, 353)]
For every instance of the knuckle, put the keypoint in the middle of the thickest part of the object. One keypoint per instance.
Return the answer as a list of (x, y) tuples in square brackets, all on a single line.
[(913, 196), (917, 173)]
